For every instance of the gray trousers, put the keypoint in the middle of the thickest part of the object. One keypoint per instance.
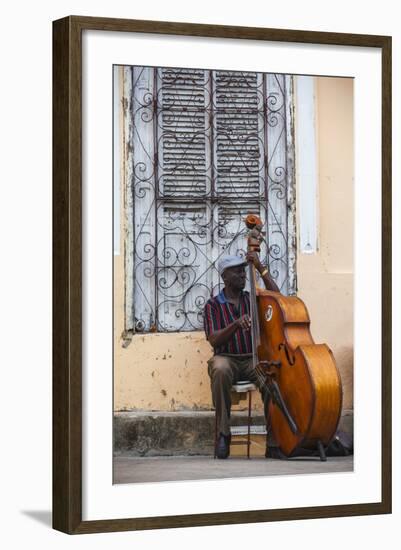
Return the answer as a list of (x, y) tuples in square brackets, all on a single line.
[(224, 371)]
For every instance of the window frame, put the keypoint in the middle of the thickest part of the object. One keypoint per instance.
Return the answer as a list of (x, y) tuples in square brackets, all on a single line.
[(126, 182)]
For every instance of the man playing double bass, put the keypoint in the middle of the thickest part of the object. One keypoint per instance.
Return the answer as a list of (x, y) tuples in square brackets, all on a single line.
[(227, 325)]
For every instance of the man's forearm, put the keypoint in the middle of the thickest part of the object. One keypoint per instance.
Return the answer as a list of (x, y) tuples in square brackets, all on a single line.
[(269, 283)]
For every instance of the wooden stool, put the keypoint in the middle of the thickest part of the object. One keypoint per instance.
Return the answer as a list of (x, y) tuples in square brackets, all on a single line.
[(244, 386)]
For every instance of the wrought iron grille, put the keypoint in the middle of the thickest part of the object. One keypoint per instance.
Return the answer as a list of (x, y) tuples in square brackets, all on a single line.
[(207, 148)]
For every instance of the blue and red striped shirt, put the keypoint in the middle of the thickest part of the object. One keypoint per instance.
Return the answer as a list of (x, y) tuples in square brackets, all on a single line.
[(219, 313)]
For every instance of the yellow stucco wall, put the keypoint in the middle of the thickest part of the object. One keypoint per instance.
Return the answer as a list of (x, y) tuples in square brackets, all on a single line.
[(169, 371), (325, 279)]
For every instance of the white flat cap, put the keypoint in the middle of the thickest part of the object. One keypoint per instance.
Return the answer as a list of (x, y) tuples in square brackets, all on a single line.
[(230, 261)]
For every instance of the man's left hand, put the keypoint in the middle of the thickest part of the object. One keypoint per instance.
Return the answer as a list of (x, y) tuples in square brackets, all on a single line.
[(254, 258)]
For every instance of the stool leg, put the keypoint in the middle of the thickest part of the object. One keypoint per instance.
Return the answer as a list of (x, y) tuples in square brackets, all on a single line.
[(249, 423), (215, 433)]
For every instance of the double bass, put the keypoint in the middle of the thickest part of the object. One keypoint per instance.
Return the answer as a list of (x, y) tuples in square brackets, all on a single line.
[(302, 377)]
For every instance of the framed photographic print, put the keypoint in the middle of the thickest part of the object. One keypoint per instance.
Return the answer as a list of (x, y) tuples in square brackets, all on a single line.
[(181, 153)]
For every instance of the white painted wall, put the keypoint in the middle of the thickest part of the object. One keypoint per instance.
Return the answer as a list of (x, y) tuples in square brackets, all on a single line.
[(307, 164)]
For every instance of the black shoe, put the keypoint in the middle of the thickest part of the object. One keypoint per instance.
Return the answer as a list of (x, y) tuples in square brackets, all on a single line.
[(274, 452), (223, 446)]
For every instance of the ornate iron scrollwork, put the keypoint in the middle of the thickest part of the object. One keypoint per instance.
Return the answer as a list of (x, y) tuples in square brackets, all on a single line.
[(208, 149)]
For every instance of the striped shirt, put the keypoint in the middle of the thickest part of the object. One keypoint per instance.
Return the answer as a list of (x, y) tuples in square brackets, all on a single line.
[(219, 313)]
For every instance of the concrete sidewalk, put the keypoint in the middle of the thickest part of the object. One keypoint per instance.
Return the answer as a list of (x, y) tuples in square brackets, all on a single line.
[(155, 469)]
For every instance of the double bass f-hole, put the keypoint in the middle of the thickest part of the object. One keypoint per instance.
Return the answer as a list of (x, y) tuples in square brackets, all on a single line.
[(291, 360)]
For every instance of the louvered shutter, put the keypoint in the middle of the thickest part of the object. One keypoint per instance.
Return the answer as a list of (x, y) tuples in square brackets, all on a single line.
[(239, 153), (183, 137), (239, 138), (182, 133)]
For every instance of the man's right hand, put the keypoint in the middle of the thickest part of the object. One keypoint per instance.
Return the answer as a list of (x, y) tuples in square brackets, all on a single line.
[(223, 335), (244, 322)]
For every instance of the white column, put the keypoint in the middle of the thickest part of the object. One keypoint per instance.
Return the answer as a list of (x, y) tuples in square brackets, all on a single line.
[(307, 166)]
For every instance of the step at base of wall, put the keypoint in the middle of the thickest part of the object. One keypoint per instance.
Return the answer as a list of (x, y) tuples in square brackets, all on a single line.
[(183, 433)]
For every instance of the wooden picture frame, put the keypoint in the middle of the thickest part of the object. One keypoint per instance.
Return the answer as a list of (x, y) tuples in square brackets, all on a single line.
[(67, 274)]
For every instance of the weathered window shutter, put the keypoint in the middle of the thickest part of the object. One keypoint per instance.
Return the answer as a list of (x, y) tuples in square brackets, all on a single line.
[(239, 147), (181, 126), (144, 195), (183, 246), (239, 140), (208, 147)]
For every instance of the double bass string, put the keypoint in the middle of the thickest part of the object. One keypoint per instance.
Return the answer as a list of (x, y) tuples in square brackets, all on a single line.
[(255, 326)]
